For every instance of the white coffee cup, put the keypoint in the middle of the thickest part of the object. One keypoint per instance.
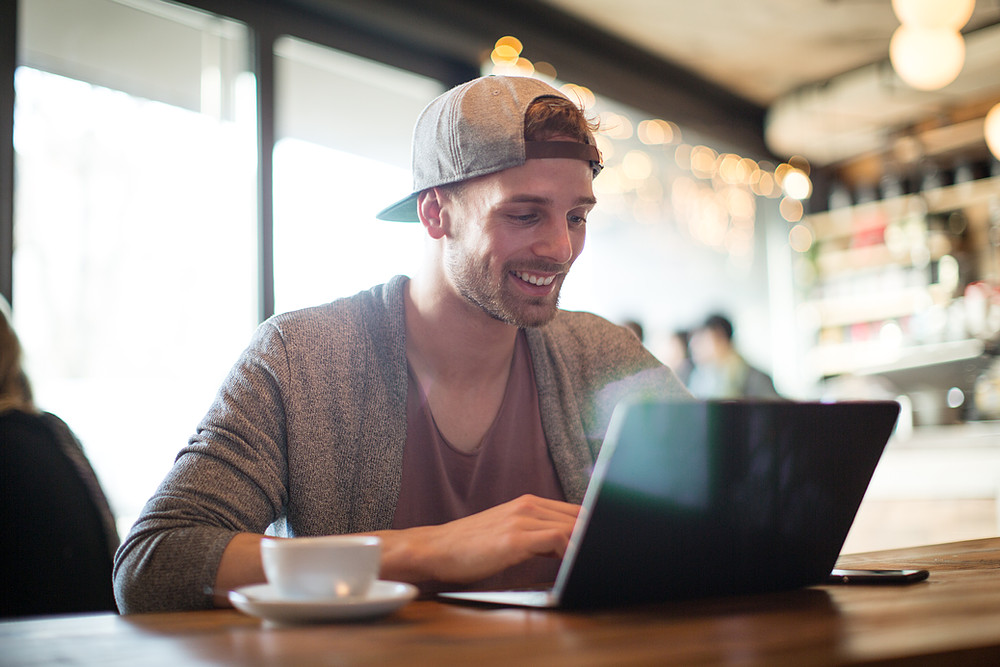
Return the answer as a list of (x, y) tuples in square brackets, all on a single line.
[(332, 566)]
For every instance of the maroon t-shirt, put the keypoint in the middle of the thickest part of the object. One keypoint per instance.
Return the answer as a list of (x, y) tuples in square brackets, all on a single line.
[(440, 483)]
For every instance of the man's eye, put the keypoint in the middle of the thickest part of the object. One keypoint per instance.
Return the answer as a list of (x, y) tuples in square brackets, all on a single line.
[(577, 220)]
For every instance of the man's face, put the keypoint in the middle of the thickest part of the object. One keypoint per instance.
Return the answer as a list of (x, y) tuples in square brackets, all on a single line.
[(514, 236)]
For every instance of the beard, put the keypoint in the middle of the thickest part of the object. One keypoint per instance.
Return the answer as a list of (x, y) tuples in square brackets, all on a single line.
[(497, 297)]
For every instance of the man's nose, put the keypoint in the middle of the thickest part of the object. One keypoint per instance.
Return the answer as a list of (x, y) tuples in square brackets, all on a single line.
[(555, 242)]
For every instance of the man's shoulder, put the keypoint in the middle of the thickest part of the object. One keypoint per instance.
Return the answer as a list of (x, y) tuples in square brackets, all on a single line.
[(592, 342), (372, 306), (586, 328), (602, 362)]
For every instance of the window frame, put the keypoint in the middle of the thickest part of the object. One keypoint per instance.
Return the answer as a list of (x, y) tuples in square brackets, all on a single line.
[(266, 23)]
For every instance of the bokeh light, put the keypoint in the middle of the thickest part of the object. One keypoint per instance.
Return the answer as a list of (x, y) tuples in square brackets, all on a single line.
[(796, 184), (800, 238), (927, 58), (951, 14), (790, 209), (713, 198)]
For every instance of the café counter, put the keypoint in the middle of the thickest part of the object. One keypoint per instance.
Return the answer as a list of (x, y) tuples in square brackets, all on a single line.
[(951, 618)]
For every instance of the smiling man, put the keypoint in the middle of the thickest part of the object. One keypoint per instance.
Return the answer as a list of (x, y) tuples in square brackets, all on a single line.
[(456, 414)]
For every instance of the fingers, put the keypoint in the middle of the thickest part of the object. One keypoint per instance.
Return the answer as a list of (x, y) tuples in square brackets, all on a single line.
[(480, 545), (537, 526), (542, 508), (550, 542)]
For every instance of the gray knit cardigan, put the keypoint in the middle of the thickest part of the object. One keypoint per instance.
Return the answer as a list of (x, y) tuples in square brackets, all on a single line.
[(307, 433)]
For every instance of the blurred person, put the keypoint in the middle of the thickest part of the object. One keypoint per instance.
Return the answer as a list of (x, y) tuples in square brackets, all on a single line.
[(456, 414), (60, 535), (719, 370), (635, 327), (678, 354)]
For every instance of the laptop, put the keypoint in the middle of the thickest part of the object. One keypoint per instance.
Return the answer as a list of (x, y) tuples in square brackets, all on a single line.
[(709, 498)]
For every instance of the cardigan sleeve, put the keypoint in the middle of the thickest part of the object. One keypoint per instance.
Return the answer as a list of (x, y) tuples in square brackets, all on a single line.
[(306, 434), (230, 478)]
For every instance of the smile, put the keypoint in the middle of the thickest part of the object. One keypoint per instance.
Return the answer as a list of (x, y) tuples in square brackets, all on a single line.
[(533, 279)]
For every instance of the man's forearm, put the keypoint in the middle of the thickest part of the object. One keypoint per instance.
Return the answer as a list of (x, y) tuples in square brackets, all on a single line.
[(240, 566)]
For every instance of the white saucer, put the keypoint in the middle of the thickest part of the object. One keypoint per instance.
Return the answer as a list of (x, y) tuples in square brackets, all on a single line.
[(263, 601)]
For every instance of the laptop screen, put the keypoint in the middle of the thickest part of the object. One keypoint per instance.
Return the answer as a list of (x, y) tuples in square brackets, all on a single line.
[(697, 498)]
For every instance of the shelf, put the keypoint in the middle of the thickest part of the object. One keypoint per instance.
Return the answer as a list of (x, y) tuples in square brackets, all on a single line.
[(874, 263), (845, 222), (951, 363), (924, 357), (971, 435), (855, 259), (870, 307)]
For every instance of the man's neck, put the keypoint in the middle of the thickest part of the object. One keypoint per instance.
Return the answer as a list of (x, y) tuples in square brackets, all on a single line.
[(448, 339), (461, 359)]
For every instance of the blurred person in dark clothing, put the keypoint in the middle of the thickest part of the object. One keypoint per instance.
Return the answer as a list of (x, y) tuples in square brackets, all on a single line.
[(59, 533)]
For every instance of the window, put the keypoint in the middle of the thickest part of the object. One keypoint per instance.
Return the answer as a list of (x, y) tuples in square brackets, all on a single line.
[(135, 227), (136, 242), (344, 126)]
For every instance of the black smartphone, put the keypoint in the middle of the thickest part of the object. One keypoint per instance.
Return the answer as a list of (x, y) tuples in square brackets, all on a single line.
[(839, 576)]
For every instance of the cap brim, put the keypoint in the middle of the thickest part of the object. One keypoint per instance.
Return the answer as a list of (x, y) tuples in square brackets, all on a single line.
[(405, 210)]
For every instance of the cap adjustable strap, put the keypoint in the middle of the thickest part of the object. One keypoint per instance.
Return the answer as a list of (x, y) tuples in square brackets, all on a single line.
[(573, 150)]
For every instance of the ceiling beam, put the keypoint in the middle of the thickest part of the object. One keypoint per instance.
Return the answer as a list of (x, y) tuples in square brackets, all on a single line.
[(462, 31)]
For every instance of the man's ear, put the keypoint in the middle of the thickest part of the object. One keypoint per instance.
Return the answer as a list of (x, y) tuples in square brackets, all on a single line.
[(430, 209)]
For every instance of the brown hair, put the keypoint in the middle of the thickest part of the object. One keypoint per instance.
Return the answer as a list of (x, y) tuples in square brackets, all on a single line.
[(551, 116), (15, 390)]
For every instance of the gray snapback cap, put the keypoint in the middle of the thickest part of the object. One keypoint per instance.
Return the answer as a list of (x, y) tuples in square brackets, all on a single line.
[(475, 129)]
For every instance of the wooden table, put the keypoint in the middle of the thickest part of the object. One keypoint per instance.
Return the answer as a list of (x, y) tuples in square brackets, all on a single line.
[(952, 619)]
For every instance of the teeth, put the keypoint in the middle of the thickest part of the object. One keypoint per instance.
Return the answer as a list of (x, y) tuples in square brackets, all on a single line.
[(534, 280)]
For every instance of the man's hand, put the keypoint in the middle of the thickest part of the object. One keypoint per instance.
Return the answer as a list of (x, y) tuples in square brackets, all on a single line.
[(479, 545)]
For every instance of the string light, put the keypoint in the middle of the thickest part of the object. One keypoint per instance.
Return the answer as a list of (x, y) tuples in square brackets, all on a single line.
[(714, 203)]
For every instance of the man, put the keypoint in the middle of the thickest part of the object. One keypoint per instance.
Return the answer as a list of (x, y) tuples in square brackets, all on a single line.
[(719, 370), (455, 414)]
